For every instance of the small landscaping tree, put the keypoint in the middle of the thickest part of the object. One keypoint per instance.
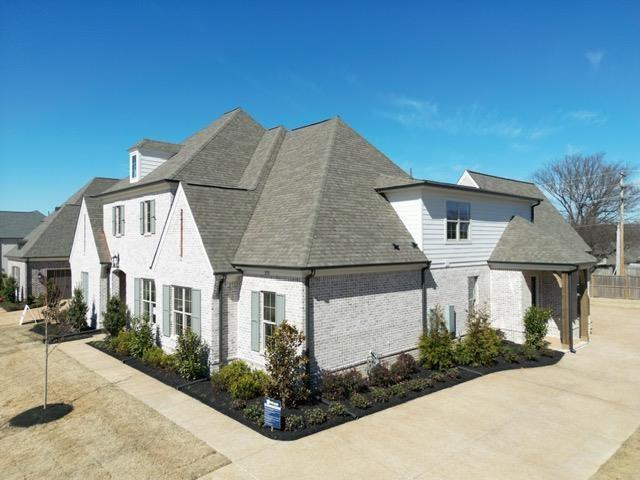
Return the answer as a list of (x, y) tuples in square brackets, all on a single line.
[(286, 365), (8, 287), (436, 345), (536, 324), (482, 344), (77, 313), (190, 358), (116, 316), (143, 338)]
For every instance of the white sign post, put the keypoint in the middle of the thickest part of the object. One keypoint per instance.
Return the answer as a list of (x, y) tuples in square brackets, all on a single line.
[(24, 313)]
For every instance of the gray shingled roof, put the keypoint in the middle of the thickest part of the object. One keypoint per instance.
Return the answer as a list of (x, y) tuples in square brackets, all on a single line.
[(18, 224), (95, 212), (319, 207), (53, 238), (548, 240)]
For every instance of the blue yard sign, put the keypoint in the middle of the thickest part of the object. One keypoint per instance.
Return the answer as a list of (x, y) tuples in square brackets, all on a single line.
[(272, 413)]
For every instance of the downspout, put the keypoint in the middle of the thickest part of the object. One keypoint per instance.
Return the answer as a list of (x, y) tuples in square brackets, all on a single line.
[(424, 269), (223, 278), (307, 319), (533, 211)]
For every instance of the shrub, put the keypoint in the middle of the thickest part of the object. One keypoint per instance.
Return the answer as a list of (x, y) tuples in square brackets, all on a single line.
[(530, 353), (121, 343), (399, 389), (8, 289), (77, 312), (360, 401), (380, 376), (454, 373), (293, 422), (536, 324), (340, 386), (403, 367), (254, 413), (438, 377), (238, 404), (230, 374), (436, 345), (287, 367), (419, 384), (337, 409), (191, 356), (510, 355), (380, 395), (482, 344), (156, 357), (116, 316), (315, 416), (250, 385), (143, 338)]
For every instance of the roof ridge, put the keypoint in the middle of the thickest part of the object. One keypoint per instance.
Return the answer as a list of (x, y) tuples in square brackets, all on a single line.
[(232, 114), (315, 123), (499, 177), (316, 211)]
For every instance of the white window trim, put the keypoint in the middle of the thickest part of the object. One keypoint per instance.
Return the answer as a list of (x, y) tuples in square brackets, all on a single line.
[(469, 233), (152, 303), (119, 213), (146, 217), (263, 322), (135, 156), (183, 311)]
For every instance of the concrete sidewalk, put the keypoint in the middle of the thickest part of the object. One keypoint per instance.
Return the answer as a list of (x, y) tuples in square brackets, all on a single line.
[(559, 422)]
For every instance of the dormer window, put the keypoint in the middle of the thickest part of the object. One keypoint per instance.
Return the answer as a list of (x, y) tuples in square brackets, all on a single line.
[(134, 166)]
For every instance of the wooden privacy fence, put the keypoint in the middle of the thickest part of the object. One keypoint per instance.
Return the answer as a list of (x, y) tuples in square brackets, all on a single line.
[(612, 286)]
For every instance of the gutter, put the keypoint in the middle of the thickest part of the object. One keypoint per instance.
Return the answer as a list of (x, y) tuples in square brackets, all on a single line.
[(424, 269), (307, 319), (532, 210)]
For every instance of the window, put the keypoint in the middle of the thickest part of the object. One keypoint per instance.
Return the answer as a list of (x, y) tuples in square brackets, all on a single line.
[(268, 315), (472, 285), (134, 166), (148, 300), (118, 220), (182, 309), (458, 220), (534, 291), (147, 217)]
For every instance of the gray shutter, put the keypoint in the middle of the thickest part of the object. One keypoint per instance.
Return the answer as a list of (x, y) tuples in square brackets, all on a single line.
[(122, 219), (255, 321), (279, 309), (152, 207), (136, 296), (141, 218), (195, 311), (166, 310), (113, 220)]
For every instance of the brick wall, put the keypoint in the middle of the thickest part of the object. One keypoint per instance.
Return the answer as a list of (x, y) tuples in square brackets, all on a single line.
[(355, 314)]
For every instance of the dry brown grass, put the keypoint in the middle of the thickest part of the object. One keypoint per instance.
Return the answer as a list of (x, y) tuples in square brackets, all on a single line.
[(109, 434), (624, 464)]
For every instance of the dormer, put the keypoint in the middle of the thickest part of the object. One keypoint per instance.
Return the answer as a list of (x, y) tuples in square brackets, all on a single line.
[(147, 155)]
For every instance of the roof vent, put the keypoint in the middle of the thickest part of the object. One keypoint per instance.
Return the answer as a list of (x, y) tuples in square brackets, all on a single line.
[(414, 244), (396, 246)]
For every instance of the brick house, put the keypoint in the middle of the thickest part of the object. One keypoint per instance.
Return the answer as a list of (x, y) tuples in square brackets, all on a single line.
[(238, 228)]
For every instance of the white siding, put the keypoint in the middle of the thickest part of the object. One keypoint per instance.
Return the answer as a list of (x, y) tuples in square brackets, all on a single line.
[(408, 206), (148, 160), (489, 218)]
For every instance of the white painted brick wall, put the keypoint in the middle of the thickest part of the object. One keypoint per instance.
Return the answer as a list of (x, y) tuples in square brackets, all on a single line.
[(84, 258), (510, 297), (192, 270), (294, 291), (449, 286), (355, 314)]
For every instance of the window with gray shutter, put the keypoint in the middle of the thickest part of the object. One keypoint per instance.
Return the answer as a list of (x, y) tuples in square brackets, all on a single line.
[(166, 310), (255, 321)]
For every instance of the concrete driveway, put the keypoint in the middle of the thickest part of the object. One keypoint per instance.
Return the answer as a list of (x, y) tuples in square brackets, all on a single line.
[(559, 422)]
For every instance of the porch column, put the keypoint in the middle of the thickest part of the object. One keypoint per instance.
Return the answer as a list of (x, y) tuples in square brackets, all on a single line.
[(566, 310), (584, 304)]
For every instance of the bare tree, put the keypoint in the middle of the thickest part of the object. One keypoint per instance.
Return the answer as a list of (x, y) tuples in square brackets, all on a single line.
[(587, 188)]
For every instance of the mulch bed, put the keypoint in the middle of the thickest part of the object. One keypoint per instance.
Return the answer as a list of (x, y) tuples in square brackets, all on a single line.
[(204, 391), (58, 335)]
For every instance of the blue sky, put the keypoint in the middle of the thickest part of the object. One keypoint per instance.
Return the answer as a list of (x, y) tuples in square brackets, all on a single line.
[(502, 87)]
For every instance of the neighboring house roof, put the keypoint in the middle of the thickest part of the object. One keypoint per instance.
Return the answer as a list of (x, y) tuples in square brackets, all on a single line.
[(53, 238), (18, 224), (549, 239)]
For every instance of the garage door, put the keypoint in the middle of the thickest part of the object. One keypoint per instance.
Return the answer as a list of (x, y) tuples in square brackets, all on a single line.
[(62, 279)]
